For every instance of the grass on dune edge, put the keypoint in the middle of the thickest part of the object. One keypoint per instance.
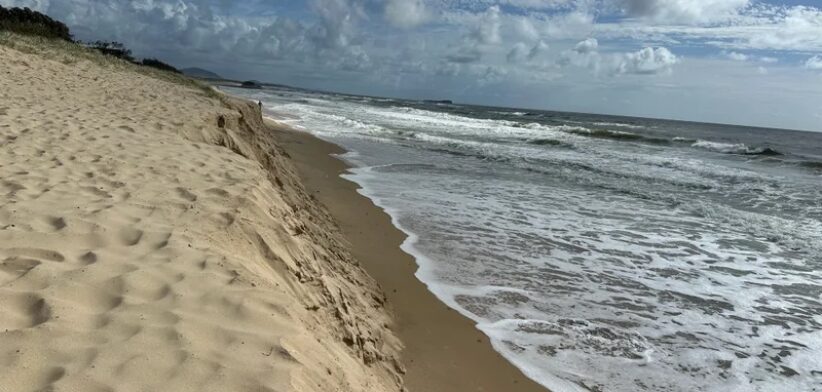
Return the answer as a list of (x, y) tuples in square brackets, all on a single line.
[(70, 53)]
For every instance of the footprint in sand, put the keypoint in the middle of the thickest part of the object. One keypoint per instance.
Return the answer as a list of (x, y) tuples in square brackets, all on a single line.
[(185, 194), (15, 267), (88, 258), (35, 253), (129, 236), (57, 223), (22, 311), (127, 128)]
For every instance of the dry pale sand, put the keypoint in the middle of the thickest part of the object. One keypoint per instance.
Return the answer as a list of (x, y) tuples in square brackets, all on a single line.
[(443, 350), (145, 248)]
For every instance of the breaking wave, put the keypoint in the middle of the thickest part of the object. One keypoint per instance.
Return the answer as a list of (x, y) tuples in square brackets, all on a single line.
[(814, 165), (739, 148), (549, 142), (604, 257), (620, 125)]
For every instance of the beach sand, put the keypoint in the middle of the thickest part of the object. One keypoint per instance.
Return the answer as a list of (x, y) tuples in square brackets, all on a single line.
[(154, 238), (443, 349)]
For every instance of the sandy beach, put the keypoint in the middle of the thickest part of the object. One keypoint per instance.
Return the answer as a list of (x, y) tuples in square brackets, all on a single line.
[(410, 196), (153, 237), (443, 351), (157, 235)]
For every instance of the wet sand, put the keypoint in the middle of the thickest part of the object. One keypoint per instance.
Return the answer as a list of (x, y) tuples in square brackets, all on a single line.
[(443, 349)]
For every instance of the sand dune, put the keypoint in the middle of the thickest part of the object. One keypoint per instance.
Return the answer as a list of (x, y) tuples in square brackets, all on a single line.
[(145, 248)]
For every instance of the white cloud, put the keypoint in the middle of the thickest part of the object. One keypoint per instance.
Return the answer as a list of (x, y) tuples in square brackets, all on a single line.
[(181, 31), (814, 62), (486, 30), (525, 29), (491, 74), (520, 52), (338, 21), (584, 54), (760, 27), (536, 50), (482, 32), (37, 5), (571, 25), (461, 44), (539, 4), (465, 55), (587, 46), (682, 11), (736, 56), (405, 13), (647, 61), (517, 53), (794, 28)]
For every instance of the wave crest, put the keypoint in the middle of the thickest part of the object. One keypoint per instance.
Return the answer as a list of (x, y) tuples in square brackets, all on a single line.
[(739, 148)]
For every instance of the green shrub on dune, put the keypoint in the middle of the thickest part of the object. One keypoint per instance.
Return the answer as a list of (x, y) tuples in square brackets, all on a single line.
[(113, 48), (33, 32), (73, 52), (154, 63), (29, 22)]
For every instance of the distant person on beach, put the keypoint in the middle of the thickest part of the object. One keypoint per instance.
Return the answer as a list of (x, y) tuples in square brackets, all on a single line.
[(260, 104)]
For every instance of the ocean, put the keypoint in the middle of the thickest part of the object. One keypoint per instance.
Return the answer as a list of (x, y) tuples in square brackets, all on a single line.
[(600, 253)]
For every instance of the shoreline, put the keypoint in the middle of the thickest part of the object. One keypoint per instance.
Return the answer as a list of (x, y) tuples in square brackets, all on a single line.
[(443, 349)]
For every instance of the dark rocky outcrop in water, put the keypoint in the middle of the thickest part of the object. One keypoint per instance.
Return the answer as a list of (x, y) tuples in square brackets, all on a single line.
[(251, 84)]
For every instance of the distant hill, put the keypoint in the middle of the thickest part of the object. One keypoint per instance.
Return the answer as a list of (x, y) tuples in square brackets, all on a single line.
[(200, 73)]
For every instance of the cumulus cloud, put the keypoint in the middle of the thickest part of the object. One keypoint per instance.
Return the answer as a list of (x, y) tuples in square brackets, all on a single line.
[(491, 74), (517, 53), (482, 32), (486, 30), (405, 13), (462, 43), (814, 62), (571, 25), (683, 11), (539, 4), (584, 54), (539, 48), (525, 29), (760, 27), (520, 52), (465, 55), (338, 21), (587, 46), (781, 28), (736, 56), (647, 61), (182, 29)]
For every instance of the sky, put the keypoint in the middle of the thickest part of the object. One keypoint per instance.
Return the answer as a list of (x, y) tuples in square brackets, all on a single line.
[(750, 62)]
